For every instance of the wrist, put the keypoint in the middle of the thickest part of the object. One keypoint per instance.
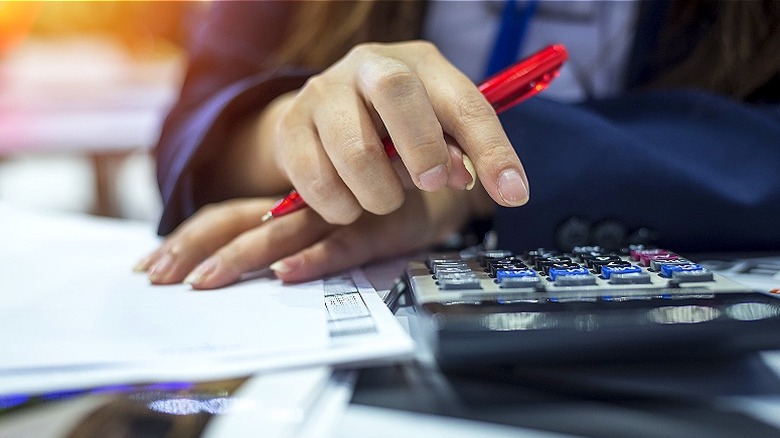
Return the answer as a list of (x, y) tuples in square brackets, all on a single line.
[(247, 167)]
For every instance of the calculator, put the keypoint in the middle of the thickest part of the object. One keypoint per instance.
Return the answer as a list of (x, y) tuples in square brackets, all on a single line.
[(495, 307)]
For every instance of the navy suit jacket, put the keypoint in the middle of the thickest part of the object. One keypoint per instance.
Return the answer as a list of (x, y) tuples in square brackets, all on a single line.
[(687, 170)]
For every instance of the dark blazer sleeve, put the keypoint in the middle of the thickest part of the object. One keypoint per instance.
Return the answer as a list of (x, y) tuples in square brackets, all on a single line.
[(688, 170), (228, 77)]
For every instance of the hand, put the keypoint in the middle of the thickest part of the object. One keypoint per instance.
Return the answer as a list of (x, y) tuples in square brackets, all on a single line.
[(225, 240), (325, 139)]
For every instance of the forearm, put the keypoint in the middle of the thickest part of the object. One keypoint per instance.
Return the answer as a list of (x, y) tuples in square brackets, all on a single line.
[(226, 82), (193, 138), (248, 166)]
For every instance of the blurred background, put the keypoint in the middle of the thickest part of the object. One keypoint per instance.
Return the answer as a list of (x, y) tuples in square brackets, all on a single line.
[(84, 88)]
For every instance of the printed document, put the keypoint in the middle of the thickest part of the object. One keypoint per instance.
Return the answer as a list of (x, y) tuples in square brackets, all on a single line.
[(74, 315)]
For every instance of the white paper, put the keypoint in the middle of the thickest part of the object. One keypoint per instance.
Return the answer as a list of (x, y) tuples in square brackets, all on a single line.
[(300, 403), (72, 314)]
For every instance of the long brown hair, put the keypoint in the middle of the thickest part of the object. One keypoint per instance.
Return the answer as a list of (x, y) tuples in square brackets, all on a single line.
[(737, 48), (324, 42), (732, 47)]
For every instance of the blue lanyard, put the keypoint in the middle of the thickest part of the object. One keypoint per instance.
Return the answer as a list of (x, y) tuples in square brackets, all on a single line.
[(511, 32)]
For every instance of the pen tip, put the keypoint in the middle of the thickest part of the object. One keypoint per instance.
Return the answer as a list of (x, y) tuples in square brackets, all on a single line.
[(266, 217)]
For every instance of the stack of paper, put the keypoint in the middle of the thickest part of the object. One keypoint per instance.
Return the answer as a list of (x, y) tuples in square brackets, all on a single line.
[(73, 315)]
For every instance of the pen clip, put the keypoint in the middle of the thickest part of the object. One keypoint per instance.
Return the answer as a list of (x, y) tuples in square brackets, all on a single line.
[(523, 80)]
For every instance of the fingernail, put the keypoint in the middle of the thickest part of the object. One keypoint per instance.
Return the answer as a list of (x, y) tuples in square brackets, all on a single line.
[(280, 267), (511, 188), (434, 179), (203, 270), (287, 265), (470, 168), (158, 270), (142, 264)]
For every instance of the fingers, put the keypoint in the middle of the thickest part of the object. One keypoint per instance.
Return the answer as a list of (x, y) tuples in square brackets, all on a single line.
[(330, 135), (209, 229), (424, 96), (375, 237), (463, 176), (337, 252), (257, 248), (370, 238), (350, 139), (466, 115), (400, 98), (223, 241), (312, 172)]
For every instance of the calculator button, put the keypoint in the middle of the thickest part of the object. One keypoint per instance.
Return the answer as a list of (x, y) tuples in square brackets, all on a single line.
[(631, 278), (517, 277), (690, 272), (646, 256), (561, 265), (608, 270), (571, 276), (496, 265), (636, 253), (586, 250), (459, 280), (596, 263), (575, 280), (437, 266), (692, 276), (543, 263), (535, 255), (485, 256), (438, 259), (573, 270), (671, 259), (451, 270)]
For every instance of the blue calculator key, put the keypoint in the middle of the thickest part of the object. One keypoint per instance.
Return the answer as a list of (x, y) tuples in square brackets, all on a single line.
[(690, 273), (571, 276), (555, 272), (517, 277), (668, 269), (502, 274)]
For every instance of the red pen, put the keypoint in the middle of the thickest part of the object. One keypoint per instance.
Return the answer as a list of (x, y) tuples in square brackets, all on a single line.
[(503, 90)]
